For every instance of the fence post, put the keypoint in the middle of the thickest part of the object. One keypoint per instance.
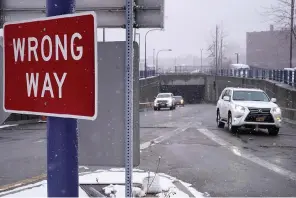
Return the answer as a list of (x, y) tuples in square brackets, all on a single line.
[(290, 78), (285, 76), (294, 79)]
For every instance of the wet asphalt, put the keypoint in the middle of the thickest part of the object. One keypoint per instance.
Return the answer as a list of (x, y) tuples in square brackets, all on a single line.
[(179, 148)]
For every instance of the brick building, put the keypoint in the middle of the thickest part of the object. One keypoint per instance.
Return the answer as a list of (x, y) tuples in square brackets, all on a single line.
[(269, 49)]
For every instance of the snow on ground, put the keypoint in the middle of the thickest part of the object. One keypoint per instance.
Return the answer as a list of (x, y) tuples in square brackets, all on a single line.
[(160, 184)]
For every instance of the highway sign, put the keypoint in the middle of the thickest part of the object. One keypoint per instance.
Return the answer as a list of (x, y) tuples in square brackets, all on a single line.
[(50, 66), (110, 13)]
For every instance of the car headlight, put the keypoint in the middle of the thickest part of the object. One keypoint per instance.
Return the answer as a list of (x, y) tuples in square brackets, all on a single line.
[(239, 108), (276, 110)]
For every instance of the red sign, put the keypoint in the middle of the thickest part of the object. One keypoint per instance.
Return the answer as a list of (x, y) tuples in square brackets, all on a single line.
[(50, 66)]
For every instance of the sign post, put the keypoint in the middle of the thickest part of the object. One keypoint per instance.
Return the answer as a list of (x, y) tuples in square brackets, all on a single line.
[(129, 98), (62, 135), (52, 62)]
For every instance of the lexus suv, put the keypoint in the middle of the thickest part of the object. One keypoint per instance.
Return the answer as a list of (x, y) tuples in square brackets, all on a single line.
[(164, 100), (248, 108)]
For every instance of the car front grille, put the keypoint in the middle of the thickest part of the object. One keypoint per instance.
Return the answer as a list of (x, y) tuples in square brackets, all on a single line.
[(162, 101), (256, 113)]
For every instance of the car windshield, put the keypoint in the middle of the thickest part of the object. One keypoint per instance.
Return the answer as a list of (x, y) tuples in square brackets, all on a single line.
[(164, 96), (250, 96)]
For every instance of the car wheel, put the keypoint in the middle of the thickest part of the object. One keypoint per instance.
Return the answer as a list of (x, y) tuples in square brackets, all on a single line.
[(155, 108), (232, 129), (219, 123), (274, 131), (171, 108)]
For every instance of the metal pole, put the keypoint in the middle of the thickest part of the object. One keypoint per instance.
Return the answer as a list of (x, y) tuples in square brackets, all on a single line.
[(216, 57), (145, 72), (237, 58), (201, 59), (104, 35), (291, 33), (154, 59), (129, 98), (62, 135), (2, 16), (162, 50), (156, 68), (139, 41)]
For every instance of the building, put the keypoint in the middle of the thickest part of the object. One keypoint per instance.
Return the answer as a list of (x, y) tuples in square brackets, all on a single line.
[(269, 49)]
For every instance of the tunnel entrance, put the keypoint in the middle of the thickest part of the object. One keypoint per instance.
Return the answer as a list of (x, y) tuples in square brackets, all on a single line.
[(192, 94)]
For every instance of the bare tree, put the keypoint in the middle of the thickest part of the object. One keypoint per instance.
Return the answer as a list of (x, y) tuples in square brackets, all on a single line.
[(283, 15), (217, 40)]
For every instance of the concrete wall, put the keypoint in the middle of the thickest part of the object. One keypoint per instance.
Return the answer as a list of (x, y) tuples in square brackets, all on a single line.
[(285, 95), (149, 88)]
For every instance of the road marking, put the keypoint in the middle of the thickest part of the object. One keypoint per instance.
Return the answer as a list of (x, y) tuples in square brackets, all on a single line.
[(164, 137), (22, 183), (142, 146), (39, 141), (235, 150)]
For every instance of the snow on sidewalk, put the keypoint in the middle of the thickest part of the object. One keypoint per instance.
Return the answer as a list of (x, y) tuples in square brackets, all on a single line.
[(160, 184)]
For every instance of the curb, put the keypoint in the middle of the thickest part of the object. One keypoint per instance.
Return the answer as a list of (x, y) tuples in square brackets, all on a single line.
[(145, 106)]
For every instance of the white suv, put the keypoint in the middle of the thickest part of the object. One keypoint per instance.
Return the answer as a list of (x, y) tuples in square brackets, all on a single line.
[(164, 100), (248, 108)]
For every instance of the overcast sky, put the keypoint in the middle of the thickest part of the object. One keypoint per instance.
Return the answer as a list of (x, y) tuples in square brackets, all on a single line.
[(190, 24)]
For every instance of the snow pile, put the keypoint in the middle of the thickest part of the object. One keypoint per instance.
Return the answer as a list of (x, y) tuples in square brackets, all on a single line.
[(145, 184)]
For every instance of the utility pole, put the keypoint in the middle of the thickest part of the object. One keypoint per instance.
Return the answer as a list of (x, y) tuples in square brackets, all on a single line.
[(216, 60), (154, 59), (237, 58), (104, 35), (291, 33), (221, 52), (201, 59)]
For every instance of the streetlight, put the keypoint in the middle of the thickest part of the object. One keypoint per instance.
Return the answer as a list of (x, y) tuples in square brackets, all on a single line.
[(237, 55), (139, 35), (145, 73), (201, 59), (162, 50)]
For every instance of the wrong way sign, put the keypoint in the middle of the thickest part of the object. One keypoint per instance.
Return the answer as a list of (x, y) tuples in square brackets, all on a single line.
[(50, 66)]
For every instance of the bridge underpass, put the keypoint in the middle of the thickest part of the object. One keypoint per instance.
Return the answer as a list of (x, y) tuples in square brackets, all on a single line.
[(189, 145)]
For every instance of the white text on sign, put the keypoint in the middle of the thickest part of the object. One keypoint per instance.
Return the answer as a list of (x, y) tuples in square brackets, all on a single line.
[(31, 46)]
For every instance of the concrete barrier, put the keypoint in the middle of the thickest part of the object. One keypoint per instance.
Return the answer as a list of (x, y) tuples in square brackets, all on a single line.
[(146, 106)]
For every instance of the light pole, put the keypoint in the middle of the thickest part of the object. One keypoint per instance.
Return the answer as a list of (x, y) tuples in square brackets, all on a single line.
[(237, 57), (162, 50), (139, 35), (145, 64), (201, 59)]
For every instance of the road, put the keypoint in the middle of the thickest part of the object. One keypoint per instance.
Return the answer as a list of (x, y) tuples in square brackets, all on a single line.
[(186, 144)]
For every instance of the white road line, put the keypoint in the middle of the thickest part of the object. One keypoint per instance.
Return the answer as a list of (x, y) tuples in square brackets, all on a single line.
[(235, 150), (164, 137), (39, 141)]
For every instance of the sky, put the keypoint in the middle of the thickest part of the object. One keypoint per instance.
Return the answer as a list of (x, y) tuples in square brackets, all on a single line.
[(190, 26)]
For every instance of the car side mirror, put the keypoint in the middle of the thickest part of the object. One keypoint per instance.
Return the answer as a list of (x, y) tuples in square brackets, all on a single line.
[(226, 98), (273, 100)]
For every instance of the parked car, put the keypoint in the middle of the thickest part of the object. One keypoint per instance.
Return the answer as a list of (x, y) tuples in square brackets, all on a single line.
[(179, 100), (164, 100), (248, 108)]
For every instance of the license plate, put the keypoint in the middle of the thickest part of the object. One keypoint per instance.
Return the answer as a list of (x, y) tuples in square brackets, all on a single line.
[(260, 119)]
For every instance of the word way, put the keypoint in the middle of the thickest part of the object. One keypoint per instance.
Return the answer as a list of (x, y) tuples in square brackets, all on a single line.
[(37, 83)]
